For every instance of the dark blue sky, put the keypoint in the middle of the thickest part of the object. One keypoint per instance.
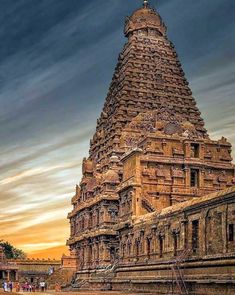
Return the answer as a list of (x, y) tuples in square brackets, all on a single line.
[(56, 62)]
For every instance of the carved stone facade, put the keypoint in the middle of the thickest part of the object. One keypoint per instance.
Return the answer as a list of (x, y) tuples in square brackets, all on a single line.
[(203, 225), (200, 232), (35, 270), (8, 270), (150, 152)]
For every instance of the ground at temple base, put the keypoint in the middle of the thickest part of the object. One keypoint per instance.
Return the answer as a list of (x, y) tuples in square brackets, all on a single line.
[(49, 292), (90, 293)]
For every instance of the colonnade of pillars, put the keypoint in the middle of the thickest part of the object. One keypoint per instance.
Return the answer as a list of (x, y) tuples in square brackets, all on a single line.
[(9, 275)]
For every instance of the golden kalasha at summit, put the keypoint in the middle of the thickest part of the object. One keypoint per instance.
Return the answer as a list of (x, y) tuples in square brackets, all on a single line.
[(155, 208)]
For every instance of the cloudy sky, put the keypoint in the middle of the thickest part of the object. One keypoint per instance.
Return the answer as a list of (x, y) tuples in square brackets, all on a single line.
[(56, 62)]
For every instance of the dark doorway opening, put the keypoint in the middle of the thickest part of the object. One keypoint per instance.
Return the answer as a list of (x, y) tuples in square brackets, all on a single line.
[(195, 236)]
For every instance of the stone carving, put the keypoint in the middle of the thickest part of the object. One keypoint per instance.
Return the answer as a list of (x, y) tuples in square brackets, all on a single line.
[(172, 128), (177, 172), (140, 158), (132, 141)]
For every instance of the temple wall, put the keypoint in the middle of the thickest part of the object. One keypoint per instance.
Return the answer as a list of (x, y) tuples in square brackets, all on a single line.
[(202, 229), (196, 234), (33, 270)]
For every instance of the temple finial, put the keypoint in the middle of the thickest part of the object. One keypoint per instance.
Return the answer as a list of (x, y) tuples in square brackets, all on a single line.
[(146, 3)]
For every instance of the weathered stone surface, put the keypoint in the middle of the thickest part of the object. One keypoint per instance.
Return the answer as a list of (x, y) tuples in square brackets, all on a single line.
[(8, 271), (144, 197), (32, 270)]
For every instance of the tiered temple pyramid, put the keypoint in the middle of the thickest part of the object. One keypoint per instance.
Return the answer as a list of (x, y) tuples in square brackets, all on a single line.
[(150, 151)]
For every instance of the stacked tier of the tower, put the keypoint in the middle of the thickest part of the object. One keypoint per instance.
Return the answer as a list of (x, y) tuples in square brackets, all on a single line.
[(147, 77), (150, 149)]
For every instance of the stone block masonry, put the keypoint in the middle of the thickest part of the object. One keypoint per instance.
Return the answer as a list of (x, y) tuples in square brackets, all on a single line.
[(157, 193)]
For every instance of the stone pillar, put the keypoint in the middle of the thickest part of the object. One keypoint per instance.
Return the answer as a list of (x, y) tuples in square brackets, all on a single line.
[(184, 234), (8, 275), (100, 251), (106, 214), (201, 178), (83, 256), (203, 239), (187, 177), (187, 148), (86, 264), (201, 151), (154, 240), (16, 276), (106, 253), (224, 228), (167, 236), (189, 234)]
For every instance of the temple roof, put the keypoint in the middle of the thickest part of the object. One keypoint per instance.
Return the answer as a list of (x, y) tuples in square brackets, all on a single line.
[(148, 77), (111, 176), (145, 17)]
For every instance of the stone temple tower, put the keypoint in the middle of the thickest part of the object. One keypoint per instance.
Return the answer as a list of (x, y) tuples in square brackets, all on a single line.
[(150, 149)]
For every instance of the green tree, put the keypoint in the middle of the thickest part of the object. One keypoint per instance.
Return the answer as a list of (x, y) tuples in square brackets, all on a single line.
[(11, 252)]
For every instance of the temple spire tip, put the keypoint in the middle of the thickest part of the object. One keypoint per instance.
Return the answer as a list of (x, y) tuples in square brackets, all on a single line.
[(146, 3)]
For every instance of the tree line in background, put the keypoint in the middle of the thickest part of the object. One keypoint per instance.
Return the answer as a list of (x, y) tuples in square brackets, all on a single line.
[(11, 252)]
